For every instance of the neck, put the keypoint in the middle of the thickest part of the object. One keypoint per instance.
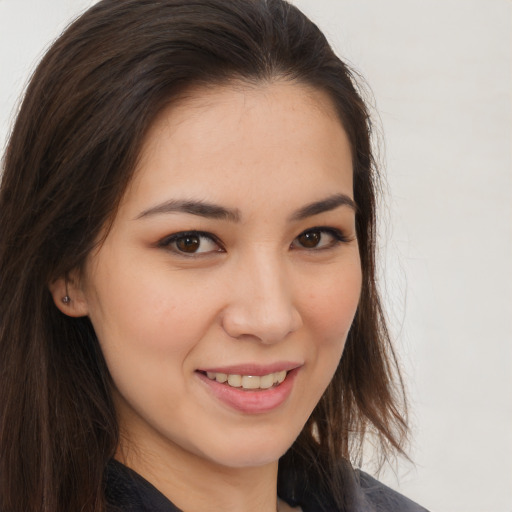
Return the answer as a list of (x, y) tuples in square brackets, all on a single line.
[(195, 484)]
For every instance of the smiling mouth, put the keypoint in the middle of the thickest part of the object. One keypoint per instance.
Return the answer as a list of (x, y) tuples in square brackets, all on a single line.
[(248, 382)]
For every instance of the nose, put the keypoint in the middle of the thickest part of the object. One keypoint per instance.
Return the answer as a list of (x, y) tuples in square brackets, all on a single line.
[(261, 303)]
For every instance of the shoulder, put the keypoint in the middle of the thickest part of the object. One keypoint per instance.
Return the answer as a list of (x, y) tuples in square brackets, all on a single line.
[(344, 489), (383, 499), (127, 491)]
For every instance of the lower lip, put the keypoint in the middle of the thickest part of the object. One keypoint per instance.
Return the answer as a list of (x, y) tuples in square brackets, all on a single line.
[(251, 401)]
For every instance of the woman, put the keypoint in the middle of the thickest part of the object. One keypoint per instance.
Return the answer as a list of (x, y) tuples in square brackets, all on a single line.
[(189, 315)]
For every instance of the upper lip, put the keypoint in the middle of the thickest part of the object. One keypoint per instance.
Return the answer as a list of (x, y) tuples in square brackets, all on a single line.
[(252, 368)]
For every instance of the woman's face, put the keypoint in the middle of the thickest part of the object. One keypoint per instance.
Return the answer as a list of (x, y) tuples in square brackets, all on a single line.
[(233, 256)]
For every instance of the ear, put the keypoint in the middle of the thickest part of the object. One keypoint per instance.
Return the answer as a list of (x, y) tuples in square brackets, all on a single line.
[(68, 296)]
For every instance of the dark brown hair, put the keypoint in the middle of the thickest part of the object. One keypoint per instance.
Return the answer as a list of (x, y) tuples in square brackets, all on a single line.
[(70, 156)]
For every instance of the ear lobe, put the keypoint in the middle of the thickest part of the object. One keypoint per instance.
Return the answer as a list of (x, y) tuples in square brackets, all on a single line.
[(69, 297)]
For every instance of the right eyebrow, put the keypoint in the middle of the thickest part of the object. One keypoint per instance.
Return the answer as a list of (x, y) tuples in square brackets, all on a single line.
[(200, 208), (325, 205)]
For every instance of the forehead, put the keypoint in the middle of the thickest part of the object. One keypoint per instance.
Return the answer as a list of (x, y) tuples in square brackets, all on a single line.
[(240, 136)]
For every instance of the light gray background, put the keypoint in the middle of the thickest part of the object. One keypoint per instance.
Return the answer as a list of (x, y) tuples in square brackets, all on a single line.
[(440, 71)]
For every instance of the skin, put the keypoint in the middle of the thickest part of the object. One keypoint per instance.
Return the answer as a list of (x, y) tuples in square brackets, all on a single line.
[(254, 293)]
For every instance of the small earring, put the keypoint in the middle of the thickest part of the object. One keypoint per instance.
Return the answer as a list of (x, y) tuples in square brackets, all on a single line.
[(66, 300)]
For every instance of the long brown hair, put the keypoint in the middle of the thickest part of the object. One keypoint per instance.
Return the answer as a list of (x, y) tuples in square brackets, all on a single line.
[(71, 154)]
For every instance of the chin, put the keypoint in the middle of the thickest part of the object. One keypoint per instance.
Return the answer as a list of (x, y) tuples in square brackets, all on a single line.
[(253, 453)]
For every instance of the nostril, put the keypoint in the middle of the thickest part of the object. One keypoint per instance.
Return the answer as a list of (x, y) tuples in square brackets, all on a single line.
[(266, 327), (261, 304)]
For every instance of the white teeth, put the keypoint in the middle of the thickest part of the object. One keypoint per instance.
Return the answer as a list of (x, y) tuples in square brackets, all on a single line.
[(219, 377), (267, 381), (280, 376), (249, 381), (235, 381)]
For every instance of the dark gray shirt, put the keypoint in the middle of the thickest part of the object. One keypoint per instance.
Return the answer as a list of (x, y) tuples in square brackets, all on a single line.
[(127, 491)]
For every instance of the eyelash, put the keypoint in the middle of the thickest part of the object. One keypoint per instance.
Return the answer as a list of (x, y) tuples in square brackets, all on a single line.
[(173, 239), (337, 235)]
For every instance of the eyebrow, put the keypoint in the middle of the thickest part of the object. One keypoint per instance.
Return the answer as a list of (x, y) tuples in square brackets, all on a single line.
[(200, 208), (325, 205), (213, 211)]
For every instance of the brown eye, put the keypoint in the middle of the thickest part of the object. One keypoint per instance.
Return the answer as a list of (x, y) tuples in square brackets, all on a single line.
[(319, 238), (191, 243), (309, 239), (188, 243)]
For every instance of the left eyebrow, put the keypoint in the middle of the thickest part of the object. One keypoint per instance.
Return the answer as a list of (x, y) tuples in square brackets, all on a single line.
[(200, 208), (325, 205)]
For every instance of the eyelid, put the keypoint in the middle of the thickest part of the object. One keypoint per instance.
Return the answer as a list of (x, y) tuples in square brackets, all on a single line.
[(338, 235), (167, 241)]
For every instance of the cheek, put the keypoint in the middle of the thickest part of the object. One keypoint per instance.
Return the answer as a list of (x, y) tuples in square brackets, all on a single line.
[(331, 306), (147, 330), (329, 310), (152, 311)]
